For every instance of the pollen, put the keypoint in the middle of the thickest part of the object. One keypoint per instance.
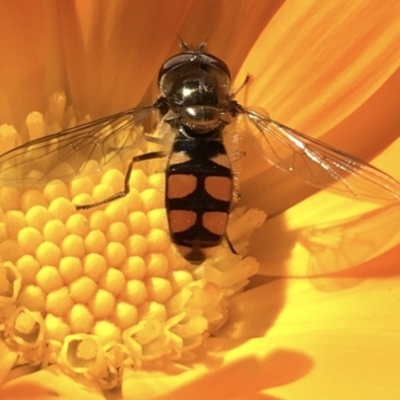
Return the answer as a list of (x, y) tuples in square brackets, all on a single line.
[(103, 289)]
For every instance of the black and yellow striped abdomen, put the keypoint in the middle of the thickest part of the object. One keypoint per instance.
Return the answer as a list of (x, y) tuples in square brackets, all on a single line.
[(198, 196)]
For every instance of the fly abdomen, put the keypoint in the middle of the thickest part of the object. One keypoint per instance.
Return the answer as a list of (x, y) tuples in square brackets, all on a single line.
[(199, 187)]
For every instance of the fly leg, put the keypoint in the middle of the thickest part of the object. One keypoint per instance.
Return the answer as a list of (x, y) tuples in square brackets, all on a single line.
[(245, 82), (125, 191), (230, 245)]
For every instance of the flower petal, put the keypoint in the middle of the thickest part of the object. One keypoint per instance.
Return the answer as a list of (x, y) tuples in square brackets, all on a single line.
[(106, 50), (50, 383), (8, 358), (347, 326), (327, 233), (22, 37), (345, 300), (321, 78), (326, 54), (231, 369), (348, 366), (222, 27)]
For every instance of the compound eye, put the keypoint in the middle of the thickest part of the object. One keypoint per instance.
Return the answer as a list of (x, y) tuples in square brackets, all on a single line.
[(214, 62), (173, 63), (179, 64)]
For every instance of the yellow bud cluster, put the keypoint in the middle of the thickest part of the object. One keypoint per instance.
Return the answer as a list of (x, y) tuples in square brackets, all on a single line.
[(102, 289)]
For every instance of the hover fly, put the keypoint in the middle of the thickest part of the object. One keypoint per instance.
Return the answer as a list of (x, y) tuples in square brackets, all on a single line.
[(196, 104)]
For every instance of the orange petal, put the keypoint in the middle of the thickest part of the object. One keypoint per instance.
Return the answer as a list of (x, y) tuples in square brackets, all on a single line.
[(346, 326), (327, 233), (231, 29), (111, 52), (230, 369), (350, 365), (22, 77), (8, 359), (50, 383), (330, 76), (316, 64), (346, 300)]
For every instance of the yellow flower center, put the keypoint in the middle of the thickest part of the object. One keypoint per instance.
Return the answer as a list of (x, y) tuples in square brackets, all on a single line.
[(104, 288)]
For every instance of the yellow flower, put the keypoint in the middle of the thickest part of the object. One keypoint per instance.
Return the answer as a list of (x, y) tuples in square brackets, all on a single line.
[(318, 321)]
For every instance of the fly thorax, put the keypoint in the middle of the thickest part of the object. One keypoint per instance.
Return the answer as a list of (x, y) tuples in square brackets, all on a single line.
[(198, 100)]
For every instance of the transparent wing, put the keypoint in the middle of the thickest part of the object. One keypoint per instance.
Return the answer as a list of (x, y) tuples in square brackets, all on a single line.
[(85, 148), (319, 164)]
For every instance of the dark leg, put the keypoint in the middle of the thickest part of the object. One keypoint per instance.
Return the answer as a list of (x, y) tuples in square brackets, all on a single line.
[(231, 248), (125, 191), (245, 82)]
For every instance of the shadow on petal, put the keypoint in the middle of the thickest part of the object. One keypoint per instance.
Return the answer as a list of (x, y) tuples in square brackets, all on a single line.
[(248, 376), (50, 383), (19, 391), (345, 233), (387, 265), (224, 378), (344, 244)]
